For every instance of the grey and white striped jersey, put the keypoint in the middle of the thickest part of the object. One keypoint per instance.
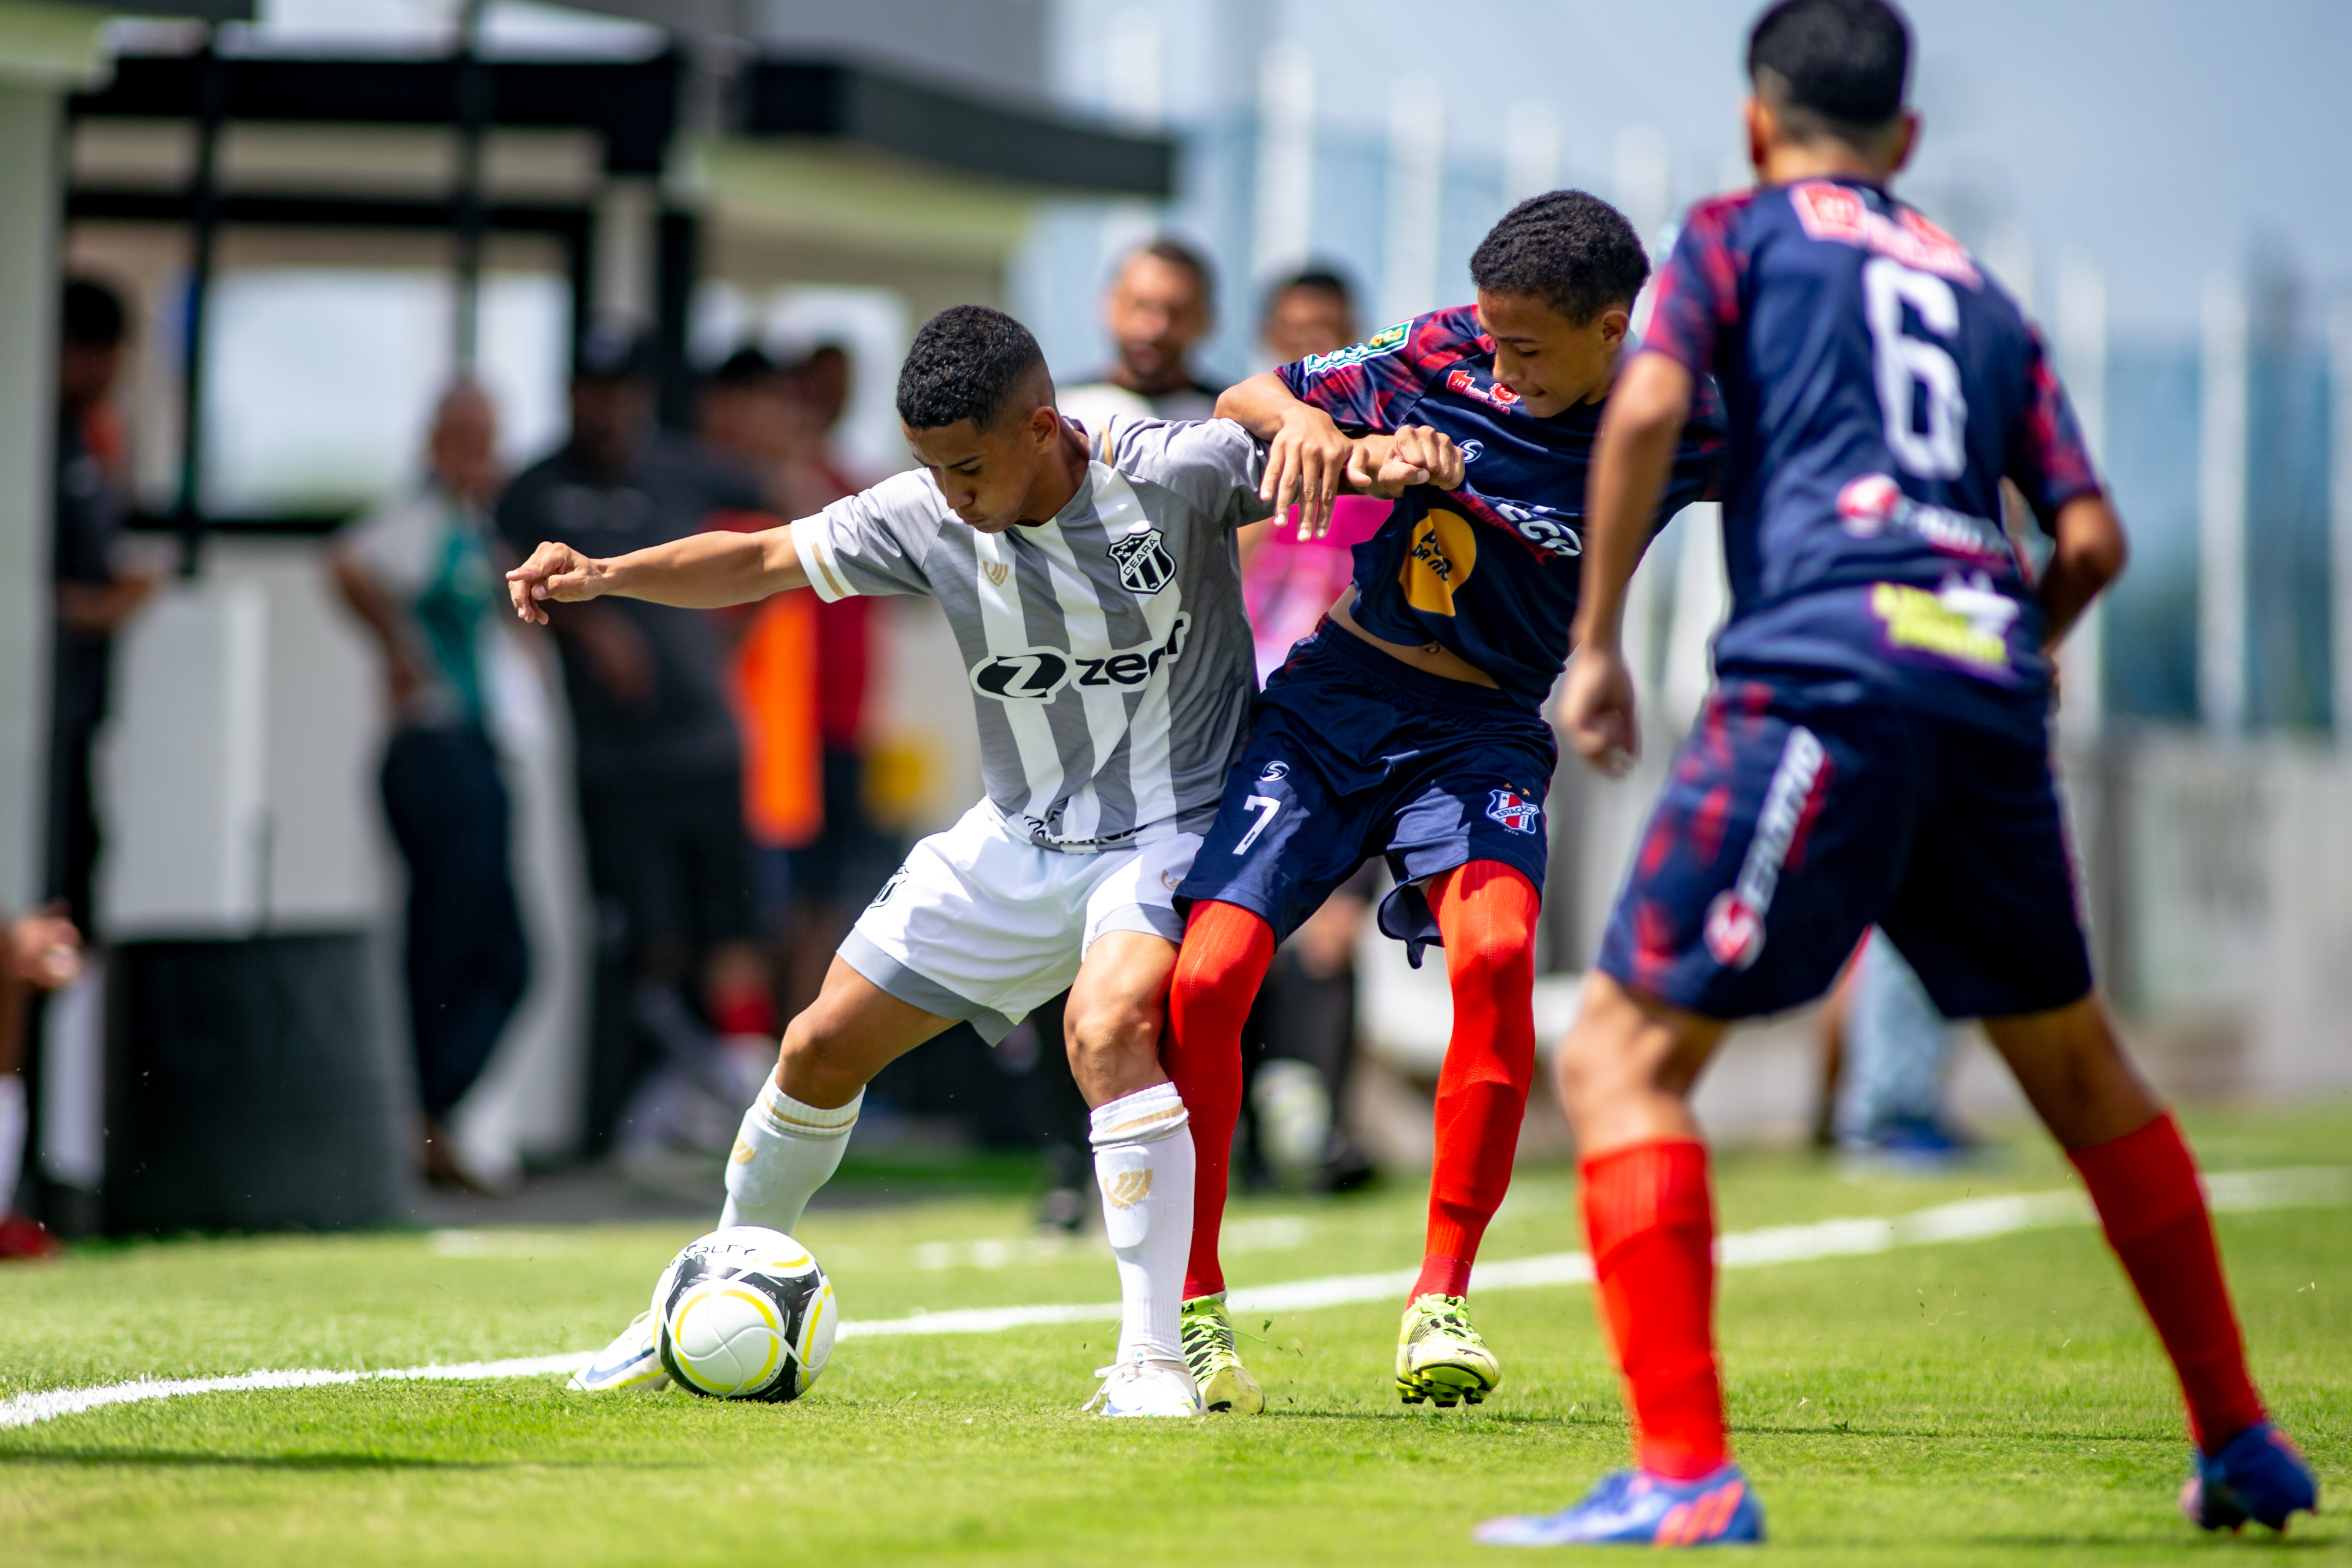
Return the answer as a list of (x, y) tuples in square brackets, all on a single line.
[(1107, 651)]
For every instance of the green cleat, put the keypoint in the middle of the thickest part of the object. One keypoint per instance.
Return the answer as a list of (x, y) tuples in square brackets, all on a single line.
[(1226, 1384), (1440, 1356)]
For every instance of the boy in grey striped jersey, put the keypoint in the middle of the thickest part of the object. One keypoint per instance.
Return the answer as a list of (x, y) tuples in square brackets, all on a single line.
[(1091, 581)]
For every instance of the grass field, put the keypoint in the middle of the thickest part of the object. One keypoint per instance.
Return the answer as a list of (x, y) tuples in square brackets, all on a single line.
[(1997, 1401)]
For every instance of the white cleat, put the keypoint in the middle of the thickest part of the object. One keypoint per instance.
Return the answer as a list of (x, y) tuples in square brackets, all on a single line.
[(632, 1361), (1145, 1386)]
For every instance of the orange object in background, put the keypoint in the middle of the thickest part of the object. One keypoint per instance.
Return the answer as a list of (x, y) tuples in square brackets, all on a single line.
[(775, 689), (775, 693)]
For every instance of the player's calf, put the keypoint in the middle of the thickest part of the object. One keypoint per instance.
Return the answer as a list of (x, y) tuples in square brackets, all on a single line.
[(1142, 1142)]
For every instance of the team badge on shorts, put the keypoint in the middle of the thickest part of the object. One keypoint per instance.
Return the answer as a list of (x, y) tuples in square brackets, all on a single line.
[(1273, 772), (1144, 564), (1735, 930), (1514, 810)]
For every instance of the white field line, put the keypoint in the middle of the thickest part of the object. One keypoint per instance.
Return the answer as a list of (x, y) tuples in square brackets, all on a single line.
[(1969, 1220)]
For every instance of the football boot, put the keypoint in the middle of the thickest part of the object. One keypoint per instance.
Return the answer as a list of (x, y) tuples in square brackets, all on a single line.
[(632, 1361), (1146, 1385), (1636, 1507), (2259, 1475), (1224, 1383), (1440, 1357)]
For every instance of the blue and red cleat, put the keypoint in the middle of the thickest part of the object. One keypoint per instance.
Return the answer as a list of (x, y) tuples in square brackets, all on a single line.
[(2259, 1475), (1636, 1507)]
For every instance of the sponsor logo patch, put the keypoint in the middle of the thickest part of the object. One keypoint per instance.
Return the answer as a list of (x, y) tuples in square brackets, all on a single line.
[(888, 888), (1872, 503), (1144, 564), (1473, 450), (1460, 379), (1831, 211), (1387, 340), (1038, 675), (1442, 555), (1734, 931), (1967, 622), (1545, 527), (1514, 810), (1273, 772)]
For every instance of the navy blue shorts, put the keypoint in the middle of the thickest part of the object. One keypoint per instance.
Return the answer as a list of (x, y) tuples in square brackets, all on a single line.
[(1354, 754), (1792, 824)]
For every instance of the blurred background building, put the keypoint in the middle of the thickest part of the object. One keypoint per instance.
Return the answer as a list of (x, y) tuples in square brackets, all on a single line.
[(320, 211)]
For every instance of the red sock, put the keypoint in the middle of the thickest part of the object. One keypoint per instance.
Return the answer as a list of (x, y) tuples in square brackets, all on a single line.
[(1225, 953), (1651, 1221), (1486, 914), (2145, 1185)]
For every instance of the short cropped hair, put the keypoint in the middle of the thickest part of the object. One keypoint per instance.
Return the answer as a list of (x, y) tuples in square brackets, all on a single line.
[(1176, 253), (968, 362), (1833, 66), (1571, 250), (92, 317)]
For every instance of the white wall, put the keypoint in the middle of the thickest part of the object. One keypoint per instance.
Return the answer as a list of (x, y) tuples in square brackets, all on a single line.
[(28, 126)]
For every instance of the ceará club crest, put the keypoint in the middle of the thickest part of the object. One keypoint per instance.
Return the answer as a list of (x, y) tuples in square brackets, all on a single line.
[(1144, 564)]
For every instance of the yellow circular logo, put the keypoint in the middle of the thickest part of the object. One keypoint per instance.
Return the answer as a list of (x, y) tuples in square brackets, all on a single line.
[(1445, 552)]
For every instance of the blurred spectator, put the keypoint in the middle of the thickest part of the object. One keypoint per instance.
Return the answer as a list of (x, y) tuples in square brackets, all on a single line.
[(658, 764), (1893, 1052), (820, 883), (1300, 1043), (419, 572), (1161, 303), (37, 952), (95, 595)]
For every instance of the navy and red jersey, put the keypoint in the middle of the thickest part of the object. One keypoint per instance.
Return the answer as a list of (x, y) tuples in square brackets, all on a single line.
[(1490, 571), (1878, 388)]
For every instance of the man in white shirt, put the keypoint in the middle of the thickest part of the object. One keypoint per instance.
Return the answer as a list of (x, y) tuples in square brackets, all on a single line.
[(1161, 303)]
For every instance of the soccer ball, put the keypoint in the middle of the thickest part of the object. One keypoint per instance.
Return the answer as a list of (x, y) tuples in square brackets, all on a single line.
[(745, 1314)]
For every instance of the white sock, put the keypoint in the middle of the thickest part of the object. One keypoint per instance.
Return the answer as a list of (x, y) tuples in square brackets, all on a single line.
[(12, 1137), (783, 1153), (1143, 1163)]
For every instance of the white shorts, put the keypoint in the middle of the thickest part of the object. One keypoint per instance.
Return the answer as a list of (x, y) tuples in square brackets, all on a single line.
[(982, 926)]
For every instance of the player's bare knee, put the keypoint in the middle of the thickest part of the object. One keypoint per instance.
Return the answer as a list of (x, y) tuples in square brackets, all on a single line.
[(1112, 1031), (815, 1062)]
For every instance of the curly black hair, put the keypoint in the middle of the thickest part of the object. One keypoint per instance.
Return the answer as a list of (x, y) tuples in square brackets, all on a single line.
[(967, 362), (1571, 250), (1839, 61)]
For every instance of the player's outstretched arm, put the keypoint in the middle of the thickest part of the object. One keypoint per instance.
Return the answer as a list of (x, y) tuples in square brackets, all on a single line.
[(2090, 554), (1638, 435), (1307, 457), (701, 571)]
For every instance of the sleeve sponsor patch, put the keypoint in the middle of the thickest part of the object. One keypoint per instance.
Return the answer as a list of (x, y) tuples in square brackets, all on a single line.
[(1388, 340)]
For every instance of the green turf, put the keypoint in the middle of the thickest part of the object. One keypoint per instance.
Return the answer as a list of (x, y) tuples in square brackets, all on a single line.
[(1999, 1401)]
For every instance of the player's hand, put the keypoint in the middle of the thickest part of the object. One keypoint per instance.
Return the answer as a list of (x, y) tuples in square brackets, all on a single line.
[(1415, 455), (1305, 462), (1596, 710), (554, 571), (45, 949)]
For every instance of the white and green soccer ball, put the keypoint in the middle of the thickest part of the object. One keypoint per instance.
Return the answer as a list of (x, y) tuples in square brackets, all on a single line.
[(745, 1314)]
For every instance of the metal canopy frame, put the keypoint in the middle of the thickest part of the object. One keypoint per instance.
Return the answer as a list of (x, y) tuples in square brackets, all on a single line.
[(636, 108)]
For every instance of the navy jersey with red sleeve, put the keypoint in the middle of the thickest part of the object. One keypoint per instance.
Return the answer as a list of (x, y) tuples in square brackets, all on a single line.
[(1878, 388), (1488, 571)]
